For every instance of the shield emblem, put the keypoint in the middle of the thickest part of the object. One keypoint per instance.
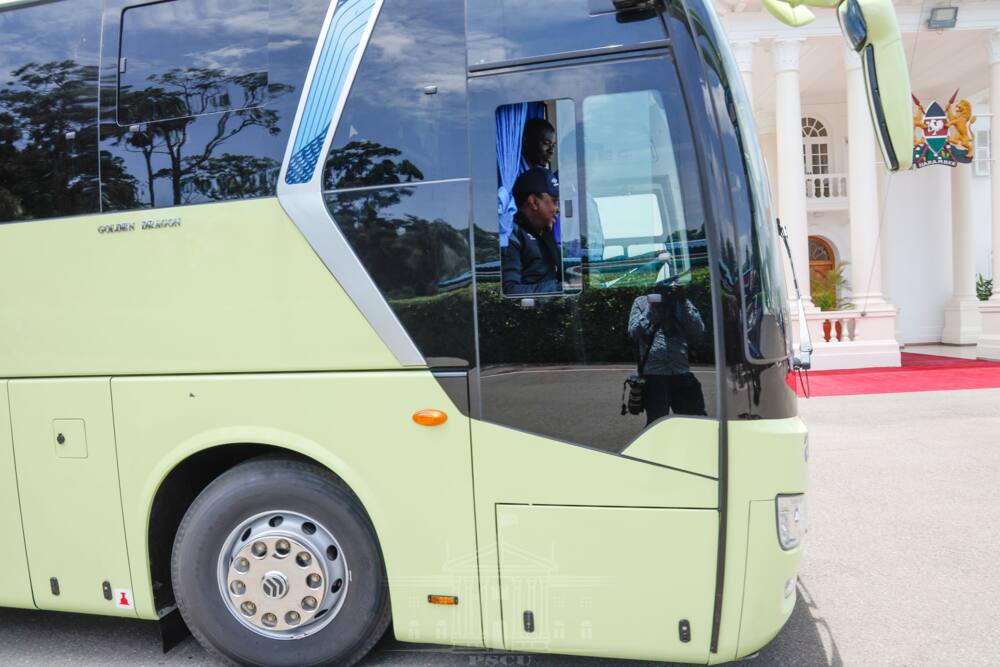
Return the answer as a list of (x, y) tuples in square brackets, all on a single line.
[(935, 127)]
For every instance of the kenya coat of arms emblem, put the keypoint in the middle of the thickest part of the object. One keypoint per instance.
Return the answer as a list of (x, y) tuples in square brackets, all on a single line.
[(943, 135)]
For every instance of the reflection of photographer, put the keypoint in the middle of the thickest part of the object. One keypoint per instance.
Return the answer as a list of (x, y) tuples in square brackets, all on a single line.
[(662, 324)]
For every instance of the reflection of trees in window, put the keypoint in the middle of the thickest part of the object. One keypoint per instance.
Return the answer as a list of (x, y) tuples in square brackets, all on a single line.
[(420, 264), (367, 163), (48, 142), (183, 96), (406, 255)]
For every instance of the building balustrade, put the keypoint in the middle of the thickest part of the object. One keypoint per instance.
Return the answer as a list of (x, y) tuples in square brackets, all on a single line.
[(826, 191), (852, 338)]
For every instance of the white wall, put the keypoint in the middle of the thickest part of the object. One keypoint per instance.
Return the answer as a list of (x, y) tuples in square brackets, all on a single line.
[(916, 244)]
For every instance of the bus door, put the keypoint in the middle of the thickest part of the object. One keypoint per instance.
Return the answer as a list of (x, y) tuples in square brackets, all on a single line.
[(597, 527), (67, 477), (15, 589)]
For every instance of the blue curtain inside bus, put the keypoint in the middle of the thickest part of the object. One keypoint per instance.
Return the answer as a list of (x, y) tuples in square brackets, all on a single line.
[(510, 164)]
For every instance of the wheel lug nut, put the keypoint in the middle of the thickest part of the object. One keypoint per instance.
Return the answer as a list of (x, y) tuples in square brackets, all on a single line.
[(269, 619), (292, 618), (303, 559), (259, 549), (309, 603), (241, 565), (248, 608), (314, 580), (238, 588), (281, 548)]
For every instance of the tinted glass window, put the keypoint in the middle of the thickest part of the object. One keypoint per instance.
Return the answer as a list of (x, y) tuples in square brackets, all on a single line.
[(219, 82), (765, 294), (169, 70), (555, 366), (414, 242), (406, 109), (48, 110), (503, 30), (636, 216)]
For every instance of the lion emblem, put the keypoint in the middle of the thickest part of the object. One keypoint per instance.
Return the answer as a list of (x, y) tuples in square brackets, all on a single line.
[(960, 120)]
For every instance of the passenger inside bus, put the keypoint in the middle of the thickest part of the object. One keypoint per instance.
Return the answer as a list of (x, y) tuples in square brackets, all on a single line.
[(662, 325), (538, 134), (532, 262), (539, 143)]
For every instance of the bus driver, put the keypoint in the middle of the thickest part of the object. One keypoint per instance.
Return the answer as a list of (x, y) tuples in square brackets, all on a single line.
[(532, 261)]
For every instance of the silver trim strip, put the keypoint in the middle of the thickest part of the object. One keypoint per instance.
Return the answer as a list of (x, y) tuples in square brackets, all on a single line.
[(17, 4), (304, 204), (364, 188)]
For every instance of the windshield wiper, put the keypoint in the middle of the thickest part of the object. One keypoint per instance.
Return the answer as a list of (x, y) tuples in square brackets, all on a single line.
[(803, 361)]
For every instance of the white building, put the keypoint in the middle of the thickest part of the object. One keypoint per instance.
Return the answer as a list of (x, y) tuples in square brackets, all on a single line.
[(914, 242)]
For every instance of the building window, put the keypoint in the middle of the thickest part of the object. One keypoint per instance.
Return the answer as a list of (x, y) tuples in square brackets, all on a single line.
[(816, 157), (815, 147), (981, 159)]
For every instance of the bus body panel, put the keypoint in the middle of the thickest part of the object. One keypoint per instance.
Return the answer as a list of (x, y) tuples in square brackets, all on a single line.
[(15, 586), (767, 457), (70, 498), (680, 442), (414, 481), (767, 603), (516, 468), (232, 288), (614, 582)]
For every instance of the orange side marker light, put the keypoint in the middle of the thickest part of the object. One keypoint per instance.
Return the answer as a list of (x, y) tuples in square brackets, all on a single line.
[(443, 599), (430, 417)]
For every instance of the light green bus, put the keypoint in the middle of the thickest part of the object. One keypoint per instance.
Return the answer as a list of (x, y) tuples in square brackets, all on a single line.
[(463, 317)]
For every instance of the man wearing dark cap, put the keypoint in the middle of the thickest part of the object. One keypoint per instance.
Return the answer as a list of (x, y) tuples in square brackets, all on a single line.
[(532, 262)]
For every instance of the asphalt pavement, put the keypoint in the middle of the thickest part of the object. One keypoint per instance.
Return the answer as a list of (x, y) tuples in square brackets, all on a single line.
[(900, 568)]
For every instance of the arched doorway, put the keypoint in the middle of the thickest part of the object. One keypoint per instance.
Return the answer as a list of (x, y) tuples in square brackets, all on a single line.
[(821, 257)]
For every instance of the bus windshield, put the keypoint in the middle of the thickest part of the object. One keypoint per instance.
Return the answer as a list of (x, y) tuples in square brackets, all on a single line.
[(765, 295)]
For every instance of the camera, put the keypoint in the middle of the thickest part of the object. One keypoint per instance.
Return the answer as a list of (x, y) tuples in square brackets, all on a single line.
[(667, 291)]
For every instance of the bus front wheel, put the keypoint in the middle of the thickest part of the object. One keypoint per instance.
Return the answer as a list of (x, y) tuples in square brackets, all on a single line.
[(276, 564)]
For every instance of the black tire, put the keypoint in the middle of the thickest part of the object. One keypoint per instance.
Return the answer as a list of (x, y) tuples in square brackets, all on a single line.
[(261, 485)]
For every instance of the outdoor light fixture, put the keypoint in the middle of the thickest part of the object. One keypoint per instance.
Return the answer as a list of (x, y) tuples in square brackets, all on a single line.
[(943, 17)]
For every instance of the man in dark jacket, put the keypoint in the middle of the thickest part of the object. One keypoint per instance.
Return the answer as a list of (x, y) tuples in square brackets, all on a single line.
[(532, 261)]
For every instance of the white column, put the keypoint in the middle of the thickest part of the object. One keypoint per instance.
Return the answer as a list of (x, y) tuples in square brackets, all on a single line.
[(862, 192), (875, 343), (961, 314), (989, 340), (791, 174)]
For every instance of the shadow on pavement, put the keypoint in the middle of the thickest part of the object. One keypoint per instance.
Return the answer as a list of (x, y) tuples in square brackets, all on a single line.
[(805, 640), (47, 638)]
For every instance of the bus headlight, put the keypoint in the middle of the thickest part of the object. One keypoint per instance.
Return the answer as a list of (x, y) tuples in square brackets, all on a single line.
[(791, 520)]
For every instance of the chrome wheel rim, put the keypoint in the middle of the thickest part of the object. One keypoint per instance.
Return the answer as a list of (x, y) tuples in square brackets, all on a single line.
[(282, 575)]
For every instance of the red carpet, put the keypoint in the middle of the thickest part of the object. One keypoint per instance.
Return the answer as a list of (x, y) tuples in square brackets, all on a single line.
[(919, 372)]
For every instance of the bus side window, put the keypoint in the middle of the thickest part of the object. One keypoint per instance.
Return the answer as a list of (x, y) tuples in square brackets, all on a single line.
[(405, 117), (539, 228), (184, 58), (395, 176), (198, 98), (49, 58)]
